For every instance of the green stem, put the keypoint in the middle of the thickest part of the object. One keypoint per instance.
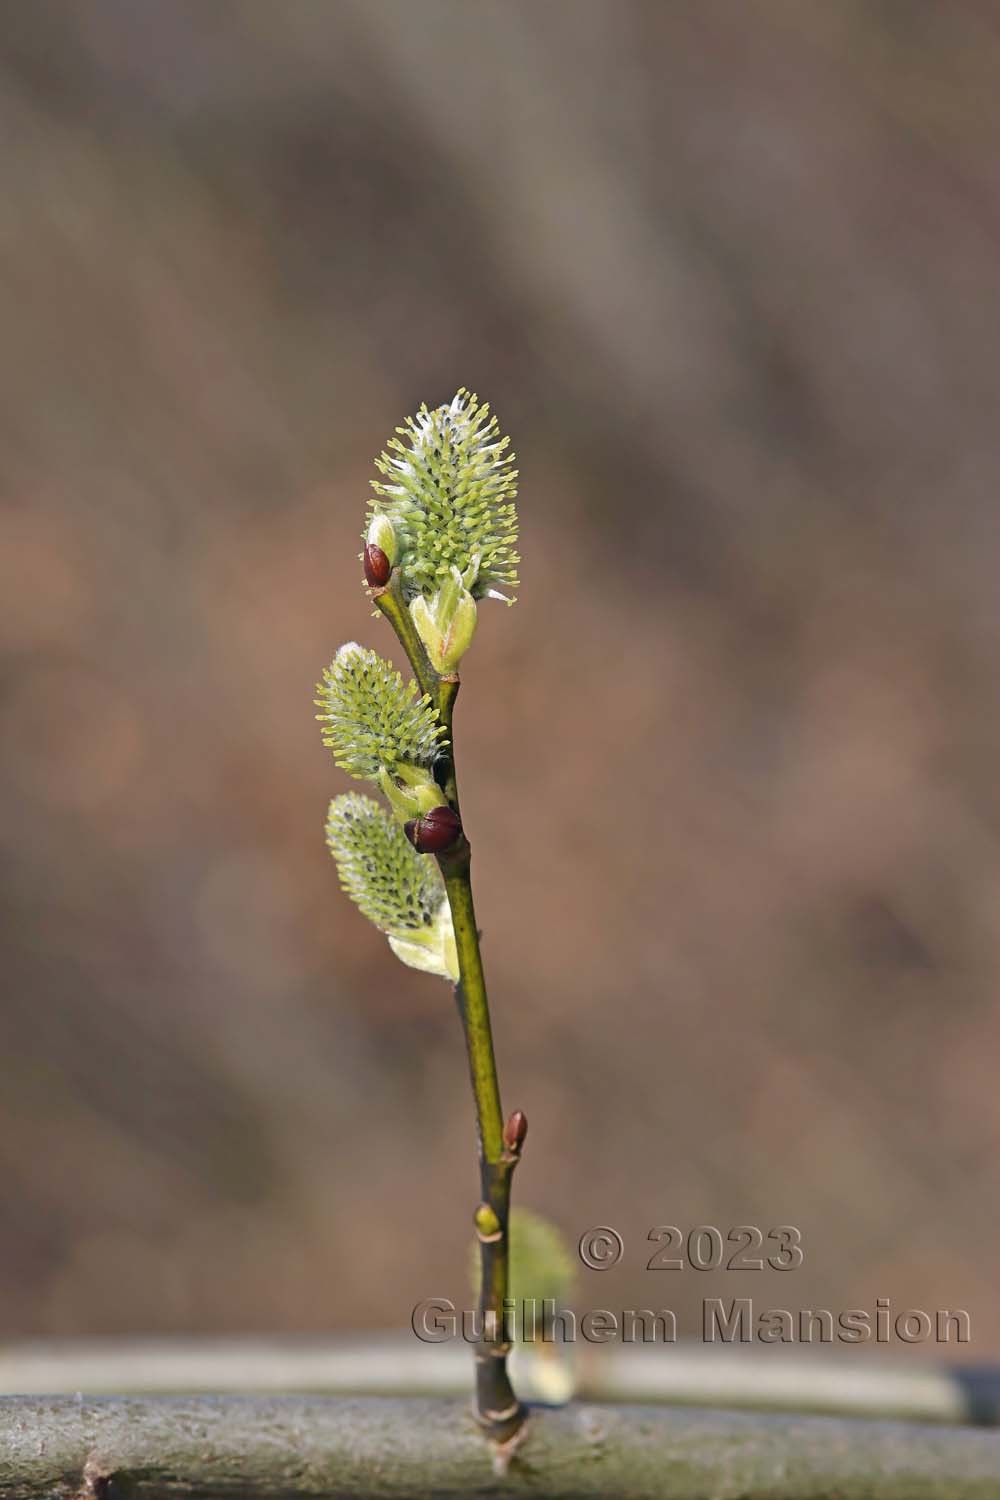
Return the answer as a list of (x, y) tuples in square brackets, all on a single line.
[(447, 693), (392, 604), (499, 1411), (474, 1004)]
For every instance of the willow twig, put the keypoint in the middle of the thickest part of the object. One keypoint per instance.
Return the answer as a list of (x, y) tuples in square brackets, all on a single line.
[(499, 1411)]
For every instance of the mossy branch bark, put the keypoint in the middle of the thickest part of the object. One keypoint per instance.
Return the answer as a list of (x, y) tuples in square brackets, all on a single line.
[(263, 1448)]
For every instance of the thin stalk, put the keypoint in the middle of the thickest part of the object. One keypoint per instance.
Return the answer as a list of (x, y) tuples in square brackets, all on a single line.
[(474, 1004), (499, 1411), (392, 604)]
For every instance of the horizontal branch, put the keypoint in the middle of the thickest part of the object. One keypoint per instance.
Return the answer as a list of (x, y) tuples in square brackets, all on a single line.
[(824, 1380), (262, 1448)]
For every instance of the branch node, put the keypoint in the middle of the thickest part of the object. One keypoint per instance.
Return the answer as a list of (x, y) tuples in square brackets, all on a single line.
[(504, 1452)]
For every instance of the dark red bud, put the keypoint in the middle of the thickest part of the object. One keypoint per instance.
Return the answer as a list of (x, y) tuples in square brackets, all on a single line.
[(515, 1131), (435, 832), (377, 566)]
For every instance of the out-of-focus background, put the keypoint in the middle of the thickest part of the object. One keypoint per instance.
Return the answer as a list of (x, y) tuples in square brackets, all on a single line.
[(730, 276)]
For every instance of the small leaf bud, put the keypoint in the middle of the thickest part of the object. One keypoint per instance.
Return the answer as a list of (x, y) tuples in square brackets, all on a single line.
[(378, 568), (487, 1223), (515, 1131), (435, 832)]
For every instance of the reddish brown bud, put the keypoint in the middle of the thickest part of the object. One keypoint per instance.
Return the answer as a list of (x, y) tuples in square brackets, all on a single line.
[(515, 1131), (377, 566), (435, 832)]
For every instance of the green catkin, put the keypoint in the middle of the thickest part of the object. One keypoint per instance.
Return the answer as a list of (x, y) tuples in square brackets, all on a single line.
[(393, 886), (449, 488), (399, 890), (371, 719)]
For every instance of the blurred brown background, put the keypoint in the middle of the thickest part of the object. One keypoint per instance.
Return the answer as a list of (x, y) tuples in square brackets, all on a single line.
[(730, 276)]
